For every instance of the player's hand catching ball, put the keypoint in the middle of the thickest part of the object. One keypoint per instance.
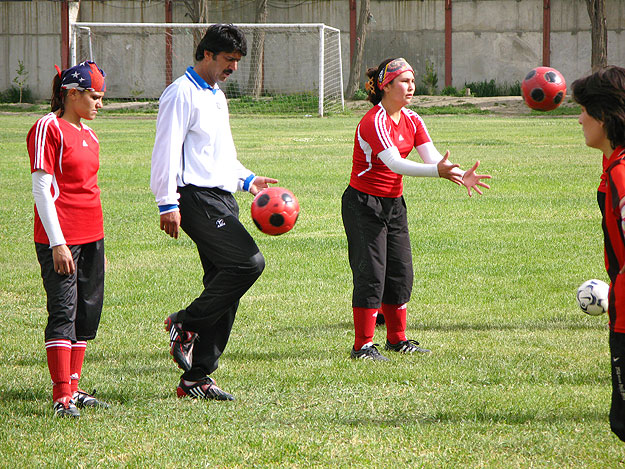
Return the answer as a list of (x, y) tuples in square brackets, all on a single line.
[(448, 170), (470, 180), (261, 183)]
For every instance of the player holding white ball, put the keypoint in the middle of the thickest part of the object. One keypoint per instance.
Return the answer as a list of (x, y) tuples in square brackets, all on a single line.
[(602, 97)]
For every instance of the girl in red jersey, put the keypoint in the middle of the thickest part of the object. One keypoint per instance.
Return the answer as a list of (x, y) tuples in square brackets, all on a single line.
[(64, 161), (602, 97), (374, 210)]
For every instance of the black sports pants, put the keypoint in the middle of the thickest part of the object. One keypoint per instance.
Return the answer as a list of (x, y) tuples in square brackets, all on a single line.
[(231, 261), (379, 248), (617, 359), (74, 302)]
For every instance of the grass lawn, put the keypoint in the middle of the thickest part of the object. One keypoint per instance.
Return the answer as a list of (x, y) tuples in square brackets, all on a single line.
[(518, 377)]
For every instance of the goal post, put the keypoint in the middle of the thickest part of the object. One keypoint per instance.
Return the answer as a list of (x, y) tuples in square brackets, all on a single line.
[(289, 68)]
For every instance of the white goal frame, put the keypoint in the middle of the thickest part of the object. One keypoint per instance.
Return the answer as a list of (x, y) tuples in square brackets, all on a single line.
[(320, 28)]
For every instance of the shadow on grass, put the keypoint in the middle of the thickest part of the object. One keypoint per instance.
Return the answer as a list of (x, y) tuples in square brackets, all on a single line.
[(480, 418), (458, 326)]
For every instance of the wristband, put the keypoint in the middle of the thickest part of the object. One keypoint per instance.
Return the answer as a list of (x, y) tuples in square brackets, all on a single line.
[(167, 208), (248, 181)]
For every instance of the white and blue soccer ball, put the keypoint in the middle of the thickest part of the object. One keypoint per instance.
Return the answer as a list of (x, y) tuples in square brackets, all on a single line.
[(592, 297)]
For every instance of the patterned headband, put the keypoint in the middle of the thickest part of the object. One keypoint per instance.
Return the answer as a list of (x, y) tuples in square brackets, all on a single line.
[(393, 68), (84, 76)]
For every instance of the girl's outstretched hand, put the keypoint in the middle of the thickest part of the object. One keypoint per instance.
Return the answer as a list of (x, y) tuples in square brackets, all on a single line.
[(470, 180), (449, 170)]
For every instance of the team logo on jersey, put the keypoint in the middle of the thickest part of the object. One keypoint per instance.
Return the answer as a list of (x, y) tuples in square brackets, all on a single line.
[(84, 144), (401, 138), (220, 223)]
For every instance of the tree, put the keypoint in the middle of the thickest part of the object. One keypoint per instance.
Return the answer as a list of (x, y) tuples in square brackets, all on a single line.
[(197, 10), (353, 84), (599, 34), (255, 80), (20, 79)]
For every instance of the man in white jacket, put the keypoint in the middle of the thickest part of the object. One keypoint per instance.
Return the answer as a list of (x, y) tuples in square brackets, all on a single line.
[(195, 172)]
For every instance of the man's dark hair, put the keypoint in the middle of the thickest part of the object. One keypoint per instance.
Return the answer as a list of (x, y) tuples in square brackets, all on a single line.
[(603, 95), (221, 38)]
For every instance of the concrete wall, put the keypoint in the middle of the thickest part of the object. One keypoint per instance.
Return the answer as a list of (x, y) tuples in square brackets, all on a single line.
[(492, 39)]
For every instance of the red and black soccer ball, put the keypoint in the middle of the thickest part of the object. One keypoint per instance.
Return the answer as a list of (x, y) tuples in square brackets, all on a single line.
[(543, 89), (275, 210)]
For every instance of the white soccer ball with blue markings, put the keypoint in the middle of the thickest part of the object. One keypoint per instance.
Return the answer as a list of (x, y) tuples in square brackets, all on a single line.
[(592, 297)]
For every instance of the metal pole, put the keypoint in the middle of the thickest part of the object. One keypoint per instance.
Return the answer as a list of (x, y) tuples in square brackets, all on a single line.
[(546, 33), (448, 38), (338, 46), (321, 69)]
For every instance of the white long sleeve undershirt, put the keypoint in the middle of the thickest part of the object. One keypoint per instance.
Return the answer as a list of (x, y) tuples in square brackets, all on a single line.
[(42, 182), (428, 153)]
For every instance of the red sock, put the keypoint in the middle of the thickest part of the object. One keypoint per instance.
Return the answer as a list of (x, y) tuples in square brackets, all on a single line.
[(75, 366), (364, 325), (59, 352), (395, 316)]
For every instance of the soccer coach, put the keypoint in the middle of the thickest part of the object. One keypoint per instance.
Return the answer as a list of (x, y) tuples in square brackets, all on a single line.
[(195, 172)]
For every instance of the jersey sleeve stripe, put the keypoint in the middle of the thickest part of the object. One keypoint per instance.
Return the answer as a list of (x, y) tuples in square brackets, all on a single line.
[(40, 141), (41, 135), (381, 130), (416, 116), (409, 115)]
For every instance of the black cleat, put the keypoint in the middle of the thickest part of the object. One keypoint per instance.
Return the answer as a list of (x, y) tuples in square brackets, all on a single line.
[(368, 353), (84, 399), (203, 389), (181, 343), (65, 407), (406, 346)]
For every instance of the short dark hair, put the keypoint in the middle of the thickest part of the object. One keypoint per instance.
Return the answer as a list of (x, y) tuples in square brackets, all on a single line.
[(221, 38), (603, 96)]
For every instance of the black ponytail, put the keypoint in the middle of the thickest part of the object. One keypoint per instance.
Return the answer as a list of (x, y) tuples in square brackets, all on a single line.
[(374, 93), (58, 96)]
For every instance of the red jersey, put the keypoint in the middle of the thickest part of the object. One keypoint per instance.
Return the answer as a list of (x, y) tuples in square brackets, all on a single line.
[(614, 242), (375, 133), (72, 157), (602, 183)]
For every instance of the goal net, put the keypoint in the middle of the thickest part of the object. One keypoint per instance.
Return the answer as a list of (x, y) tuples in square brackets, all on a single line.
[(289, 68)]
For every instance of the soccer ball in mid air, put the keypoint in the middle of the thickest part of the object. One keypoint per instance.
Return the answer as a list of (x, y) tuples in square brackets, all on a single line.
[(592, 297), (275, 210), (543, 89)]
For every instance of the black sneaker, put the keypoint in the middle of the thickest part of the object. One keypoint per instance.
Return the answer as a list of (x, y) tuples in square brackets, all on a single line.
[(406, 346), (181, 343), (368, 353), (84, 399), (65, 407), (203, 389)]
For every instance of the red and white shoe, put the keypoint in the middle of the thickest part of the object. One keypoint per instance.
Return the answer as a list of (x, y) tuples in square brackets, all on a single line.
[(181, 343), (203, 389)]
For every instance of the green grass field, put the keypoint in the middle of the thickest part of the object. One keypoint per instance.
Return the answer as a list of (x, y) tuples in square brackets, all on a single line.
[(518, 377)]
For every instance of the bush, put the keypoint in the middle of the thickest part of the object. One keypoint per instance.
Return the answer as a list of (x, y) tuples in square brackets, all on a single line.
[(430, 78), (420, 90), (452, 91), (360, 94), (233, 90), (12, 95), (490, 88)]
